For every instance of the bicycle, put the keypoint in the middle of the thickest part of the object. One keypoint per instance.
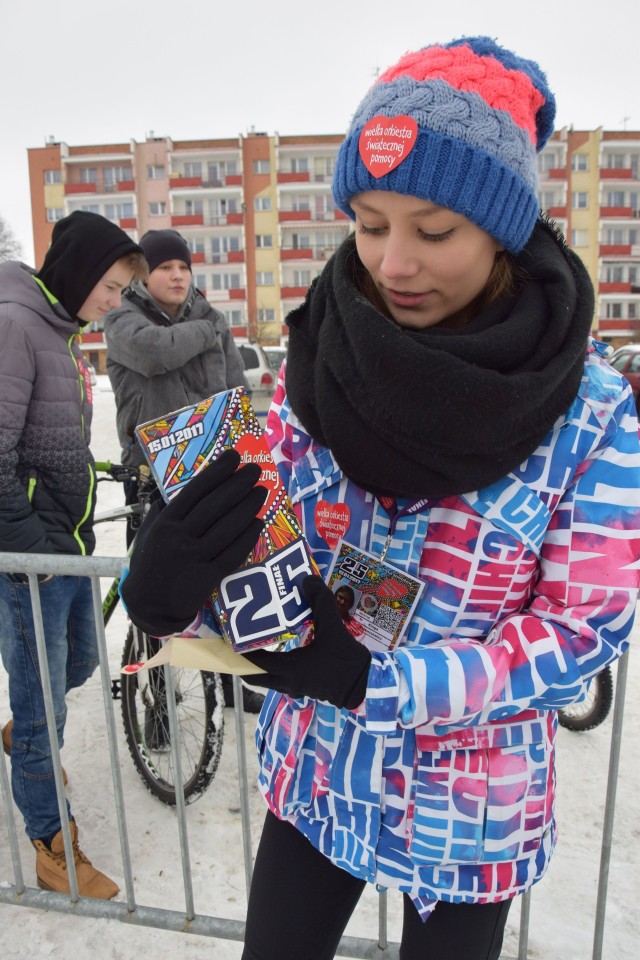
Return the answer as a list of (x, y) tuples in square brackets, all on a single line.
[(143, 695)]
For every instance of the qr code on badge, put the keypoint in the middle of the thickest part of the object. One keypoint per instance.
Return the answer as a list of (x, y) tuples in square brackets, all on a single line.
[(387, 619)]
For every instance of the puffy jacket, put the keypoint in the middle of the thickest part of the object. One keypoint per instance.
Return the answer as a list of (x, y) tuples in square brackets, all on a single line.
[(157, 363), (47, 479), (442, 783)]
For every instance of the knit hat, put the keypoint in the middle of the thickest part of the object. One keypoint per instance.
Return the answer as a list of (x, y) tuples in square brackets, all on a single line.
[(458, 124), (83, 247), (161, 245)]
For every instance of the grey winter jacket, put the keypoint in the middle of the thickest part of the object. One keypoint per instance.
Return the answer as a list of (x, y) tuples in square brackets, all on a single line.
[(157, 363), (47, 478)]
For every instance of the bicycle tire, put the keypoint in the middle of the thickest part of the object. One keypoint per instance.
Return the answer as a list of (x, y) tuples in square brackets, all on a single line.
[(200, 709), (594, 709)]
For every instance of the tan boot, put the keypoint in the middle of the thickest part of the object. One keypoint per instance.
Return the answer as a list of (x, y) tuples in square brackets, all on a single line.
[(6, 743), (51, 869)]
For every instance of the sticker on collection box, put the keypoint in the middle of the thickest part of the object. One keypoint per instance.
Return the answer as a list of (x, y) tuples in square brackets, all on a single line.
[(376, 600), (261, 604)]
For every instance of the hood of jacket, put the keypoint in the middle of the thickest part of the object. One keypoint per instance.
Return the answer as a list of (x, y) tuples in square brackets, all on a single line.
[(18, 284)]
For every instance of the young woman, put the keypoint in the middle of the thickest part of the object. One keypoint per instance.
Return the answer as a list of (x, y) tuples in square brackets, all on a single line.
[(443, 393)]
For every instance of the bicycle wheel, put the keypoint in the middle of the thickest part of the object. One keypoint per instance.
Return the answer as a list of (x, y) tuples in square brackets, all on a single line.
[(594, 708), (200, 710)]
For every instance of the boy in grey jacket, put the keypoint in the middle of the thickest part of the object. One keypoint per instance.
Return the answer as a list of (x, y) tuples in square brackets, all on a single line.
[(167, 348), (47, 497)]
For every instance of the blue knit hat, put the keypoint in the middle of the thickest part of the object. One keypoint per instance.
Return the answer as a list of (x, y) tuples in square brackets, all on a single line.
[(458, 124)]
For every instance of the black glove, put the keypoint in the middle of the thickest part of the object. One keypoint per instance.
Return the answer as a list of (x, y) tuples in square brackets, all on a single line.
[(184, 551), (332, 667)]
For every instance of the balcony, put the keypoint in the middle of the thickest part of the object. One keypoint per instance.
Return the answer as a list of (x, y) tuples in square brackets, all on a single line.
[(126, 185), (615, 249), (291, 293), (187, 219), (618, 212), (179, 183), (558, 213), (80, 188), (299, 253), (284, 215), (198, 257), (293, 178), (611, 287), (128, 223), (555, 173), (238, 294), (616, 173)]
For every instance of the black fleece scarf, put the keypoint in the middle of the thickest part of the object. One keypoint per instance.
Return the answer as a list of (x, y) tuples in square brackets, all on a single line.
[(439, 412), (83, 247)]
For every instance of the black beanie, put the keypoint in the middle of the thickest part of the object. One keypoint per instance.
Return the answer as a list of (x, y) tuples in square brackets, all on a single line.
[(83, 247), (161, 245)]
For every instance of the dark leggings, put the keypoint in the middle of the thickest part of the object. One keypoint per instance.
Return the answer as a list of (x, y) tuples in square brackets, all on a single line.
[(300, 904)]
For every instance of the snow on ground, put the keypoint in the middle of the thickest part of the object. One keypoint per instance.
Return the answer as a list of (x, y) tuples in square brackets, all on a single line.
[(563, 904)]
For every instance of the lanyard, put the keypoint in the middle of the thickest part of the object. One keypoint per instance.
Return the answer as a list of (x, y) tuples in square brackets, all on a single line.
[(390, 505)]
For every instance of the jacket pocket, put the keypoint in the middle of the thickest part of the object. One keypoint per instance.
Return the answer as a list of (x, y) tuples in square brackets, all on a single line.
[(479, 806), (281, 738)]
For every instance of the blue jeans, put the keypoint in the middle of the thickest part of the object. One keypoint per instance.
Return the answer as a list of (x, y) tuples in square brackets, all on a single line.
[(72, 654)]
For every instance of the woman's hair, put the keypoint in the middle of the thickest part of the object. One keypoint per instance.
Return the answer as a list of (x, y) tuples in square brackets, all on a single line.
[(137, 263)]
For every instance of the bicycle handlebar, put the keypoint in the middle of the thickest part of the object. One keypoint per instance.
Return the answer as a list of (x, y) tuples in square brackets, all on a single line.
[(120, 473)]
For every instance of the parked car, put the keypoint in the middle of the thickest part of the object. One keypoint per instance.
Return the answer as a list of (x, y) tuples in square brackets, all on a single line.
[(627, 361), (275, 356), (257, 368)]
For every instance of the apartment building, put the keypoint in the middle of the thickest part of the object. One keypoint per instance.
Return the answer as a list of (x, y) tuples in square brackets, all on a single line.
[(590, 185), (260, 221), (256, 211)]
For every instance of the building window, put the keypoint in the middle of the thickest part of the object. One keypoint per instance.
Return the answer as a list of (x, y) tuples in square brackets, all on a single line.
[(631, 311), (157, 208), (301, 278), (264, 278), (299, 165), (614, 311), (264, 240), (615, 161), (54, 214), (226, 281), (194, 208), (580, 200), (579, 238), (53, 176), (266, 315), (116, 175), (196, 244), (118, 211), (200, 281), (90, 208), (262, 203), (615, 198), (580, 162), (88, 175), (234, 318), (193, 170), (155, 171), (261, 166)]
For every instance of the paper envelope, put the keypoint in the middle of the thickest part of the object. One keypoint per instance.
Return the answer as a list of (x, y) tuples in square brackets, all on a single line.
[(198, 653)]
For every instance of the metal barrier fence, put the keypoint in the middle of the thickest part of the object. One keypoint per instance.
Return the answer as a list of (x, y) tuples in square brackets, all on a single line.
[(17, 894)]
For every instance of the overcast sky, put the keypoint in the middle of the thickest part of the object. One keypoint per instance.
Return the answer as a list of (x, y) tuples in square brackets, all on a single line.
[(88, 73)]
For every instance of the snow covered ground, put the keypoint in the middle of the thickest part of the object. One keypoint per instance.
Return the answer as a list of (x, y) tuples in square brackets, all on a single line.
[(563, 904)]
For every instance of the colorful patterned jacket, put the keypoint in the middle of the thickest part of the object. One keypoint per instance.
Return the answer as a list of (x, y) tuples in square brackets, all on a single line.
[(442, 783)]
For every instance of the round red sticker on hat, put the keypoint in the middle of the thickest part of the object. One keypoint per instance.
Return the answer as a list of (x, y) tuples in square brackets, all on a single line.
[(332, 521), (386, 141)]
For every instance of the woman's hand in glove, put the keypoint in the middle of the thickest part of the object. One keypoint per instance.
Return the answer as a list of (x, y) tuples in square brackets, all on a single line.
[(203, 534), (332, 667)]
